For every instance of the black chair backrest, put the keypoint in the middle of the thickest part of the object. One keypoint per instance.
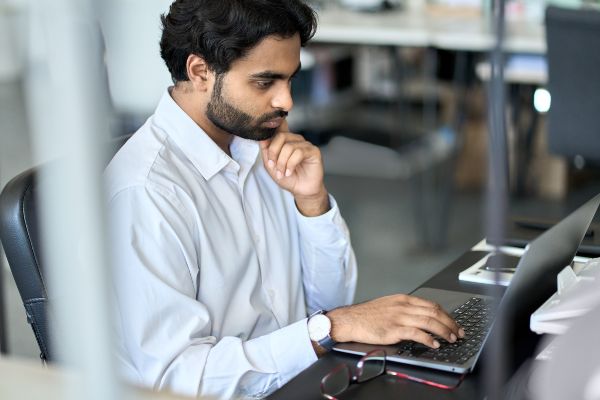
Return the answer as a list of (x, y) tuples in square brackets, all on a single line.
[(20, 238), (3, 341), (20, 235), (573, 38)]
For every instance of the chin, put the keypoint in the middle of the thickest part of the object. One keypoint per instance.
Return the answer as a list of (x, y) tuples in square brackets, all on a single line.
[(267, 134), (259, 134)]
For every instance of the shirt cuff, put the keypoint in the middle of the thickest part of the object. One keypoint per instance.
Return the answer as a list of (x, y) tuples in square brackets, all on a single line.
[(292, 350), (326, 228)]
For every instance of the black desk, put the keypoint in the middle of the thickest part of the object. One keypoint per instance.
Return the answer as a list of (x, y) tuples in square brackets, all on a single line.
[(306, 385)]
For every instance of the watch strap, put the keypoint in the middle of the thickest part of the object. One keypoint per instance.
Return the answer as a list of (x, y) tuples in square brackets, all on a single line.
[(327, 343)]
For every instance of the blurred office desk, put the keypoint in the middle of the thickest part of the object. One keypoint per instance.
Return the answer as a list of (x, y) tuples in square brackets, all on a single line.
[(420, 29), (519, 70), (406, 27), (395, 28), (306, 385)]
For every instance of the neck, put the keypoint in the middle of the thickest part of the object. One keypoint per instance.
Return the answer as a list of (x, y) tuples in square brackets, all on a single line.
[(195, 109)]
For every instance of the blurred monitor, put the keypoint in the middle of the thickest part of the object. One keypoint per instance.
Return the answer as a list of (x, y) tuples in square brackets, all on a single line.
[(573, 38)]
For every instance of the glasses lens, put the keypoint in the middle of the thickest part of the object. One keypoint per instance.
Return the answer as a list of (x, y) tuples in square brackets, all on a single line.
[(371, 365), (336, 381)]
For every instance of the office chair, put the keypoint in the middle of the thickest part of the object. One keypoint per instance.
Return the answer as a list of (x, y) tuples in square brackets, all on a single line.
[(20, 236), (574, 82), (3, 340)]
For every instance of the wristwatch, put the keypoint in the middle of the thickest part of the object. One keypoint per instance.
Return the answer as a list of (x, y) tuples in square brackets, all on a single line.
[(319, 330)]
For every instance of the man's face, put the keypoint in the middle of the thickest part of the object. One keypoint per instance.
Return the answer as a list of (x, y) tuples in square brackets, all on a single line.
[(252, 99)]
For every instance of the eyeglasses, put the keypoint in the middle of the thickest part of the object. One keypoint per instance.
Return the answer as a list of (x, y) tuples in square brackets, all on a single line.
[(370, 366)]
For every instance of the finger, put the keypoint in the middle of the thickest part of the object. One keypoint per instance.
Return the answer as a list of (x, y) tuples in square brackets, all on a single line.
[(301, 151), (284, 155), (274, 148), (295, 159), (417, 301), (417, 335), (294, 137), (437, 313), (430, 325)]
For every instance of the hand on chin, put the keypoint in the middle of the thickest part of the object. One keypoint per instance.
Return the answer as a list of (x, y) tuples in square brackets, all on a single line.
[(296, 165)]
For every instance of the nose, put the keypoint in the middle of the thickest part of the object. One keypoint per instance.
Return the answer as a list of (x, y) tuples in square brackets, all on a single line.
[(283, 98)]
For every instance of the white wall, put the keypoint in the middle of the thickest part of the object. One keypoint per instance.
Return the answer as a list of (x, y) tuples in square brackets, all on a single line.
[(137, 75)]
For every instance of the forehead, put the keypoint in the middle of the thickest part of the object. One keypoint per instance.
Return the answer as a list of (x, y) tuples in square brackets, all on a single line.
[(273, 53)]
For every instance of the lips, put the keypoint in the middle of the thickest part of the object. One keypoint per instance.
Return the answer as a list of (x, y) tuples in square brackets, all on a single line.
[(273, 123)]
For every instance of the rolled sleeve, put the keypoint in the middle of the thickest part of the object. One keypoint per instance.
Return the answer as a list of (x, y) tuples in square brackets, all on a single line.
[(325, 229), (328, 261)]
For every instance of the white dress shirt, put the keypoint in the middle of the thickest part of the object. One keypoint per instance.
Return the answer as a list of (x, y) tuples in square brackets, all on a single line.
[(215, 269)]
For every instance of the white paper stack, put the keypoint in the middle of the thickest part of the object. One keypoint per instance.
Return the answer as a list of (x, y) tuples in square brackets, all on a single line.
[(577, 293)]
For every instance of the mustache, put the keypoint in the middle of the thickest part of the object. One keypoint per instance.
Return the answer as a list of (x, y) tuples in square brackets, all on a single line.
[(273, 115)]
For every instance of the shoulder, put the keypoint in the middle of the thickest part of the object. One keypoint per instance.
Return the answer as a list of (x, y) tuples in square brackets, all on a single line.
[(149, 162)]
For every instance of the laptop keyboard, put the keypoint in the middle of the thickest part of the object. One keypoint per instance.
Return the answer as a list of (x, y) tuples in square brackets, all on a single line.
[(474, 316)]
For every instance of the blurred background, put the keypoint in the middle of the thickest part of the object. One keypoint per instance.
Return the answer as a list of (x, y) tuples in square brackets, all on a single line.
[(396, 95)]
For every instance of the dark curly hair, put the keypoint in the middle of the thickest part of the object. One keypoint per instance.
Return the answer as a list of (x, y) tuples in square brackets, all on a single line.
[(222, 31)]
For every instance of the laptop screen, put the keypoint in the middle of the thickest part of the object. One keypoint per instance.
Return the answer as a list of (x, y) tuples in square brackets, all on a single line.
[(535, 278)]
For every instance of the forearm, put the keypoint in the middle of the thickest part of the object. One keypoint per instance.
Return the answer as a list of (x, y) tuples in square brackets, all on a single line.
[(313, 206), (341, 324)]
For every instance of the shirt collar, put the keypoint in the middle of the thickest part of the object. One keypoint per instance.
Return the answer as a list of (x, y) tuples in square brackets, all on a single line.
[(206, 156)]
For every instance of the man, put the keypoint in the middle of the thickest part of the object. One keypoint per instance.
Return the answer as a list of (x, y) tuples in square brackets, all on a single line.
[(225, 237)]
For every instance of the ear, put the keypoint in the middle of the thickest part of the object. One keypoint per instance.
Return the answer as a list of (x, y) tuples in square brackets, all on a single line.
[(198, 72)]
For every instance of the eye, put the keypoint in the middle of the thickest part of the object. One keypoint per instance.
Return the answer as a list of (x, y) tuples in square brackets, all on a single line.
[(264, 84)]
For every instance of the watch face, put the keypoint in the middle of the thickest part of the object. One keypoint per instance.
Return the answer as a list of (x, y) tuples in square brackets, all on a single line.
[(319, 327)]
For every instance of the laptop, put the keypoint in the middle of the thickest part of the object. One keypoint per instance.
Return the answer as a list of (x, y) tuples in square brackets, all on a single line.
[(532, 284)]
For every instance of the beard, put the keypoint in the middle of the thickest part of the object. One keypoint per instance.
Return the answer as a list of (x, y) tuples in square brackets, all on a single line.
[(234, 121)]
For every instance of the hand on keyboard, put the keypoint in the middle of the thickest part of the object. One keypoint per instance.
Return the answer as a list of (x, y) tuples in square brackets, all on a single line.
[(391, 319), (475, 316)]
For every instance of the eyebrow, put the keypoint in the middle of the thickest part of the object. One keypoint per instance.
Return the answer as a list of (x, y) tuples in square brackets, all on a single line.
[(274, 75)]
